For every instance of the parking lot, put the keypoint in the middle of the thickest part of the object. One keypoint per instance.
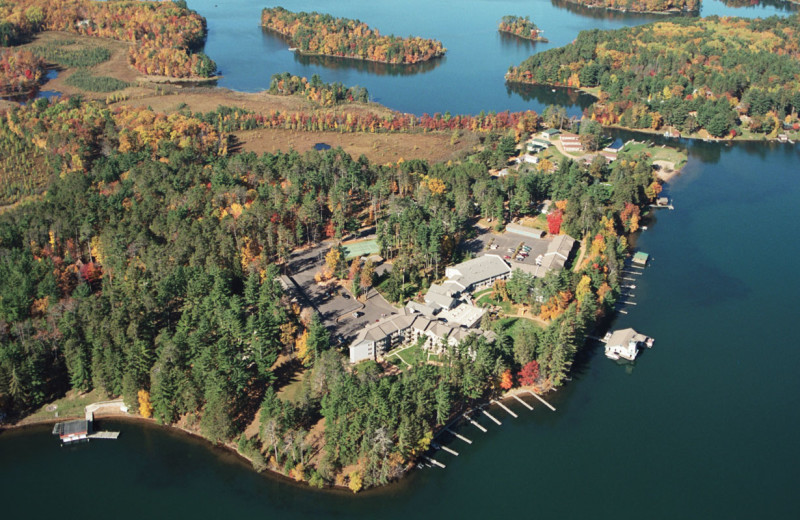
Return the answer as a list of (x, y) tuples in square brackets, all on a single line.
[(504, 245), (334, 304)]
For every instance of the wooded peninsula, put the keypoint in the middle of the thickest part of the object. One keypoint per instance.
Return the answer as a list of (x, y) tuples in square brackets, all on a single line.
[(708, 77), (144, 254), (322, 34), (643, 6)]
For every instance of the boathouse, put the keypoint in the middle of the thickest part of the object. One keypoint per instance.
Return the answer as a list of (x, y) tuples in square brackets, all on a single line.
[(71, 431), (625, 344), (640, 258)]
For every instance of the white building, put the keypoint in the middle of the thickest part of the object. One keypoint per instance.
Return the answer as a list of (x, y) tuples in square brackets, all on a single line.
[(625, 344)]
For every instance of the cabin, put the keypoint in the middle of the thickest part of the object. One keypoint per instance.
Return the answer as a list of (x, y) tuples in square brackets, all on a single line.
[(71, 431), (550, 133), (536, 145), (625, 344)]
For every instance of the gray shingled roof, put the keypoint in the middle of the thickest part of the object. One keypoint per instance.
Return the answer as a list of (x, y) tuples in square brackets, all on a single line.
[(478, 270)]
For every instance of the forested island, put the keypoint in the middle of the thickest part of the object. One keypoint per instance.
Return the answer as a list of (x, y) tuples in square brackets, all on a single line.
[(163, 34), (643, 6), (720, 77), (322, 34), (521, 27)]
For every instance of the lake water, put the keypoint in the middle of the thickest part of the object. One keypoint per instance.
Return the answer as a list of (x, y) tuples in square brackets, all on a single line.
[(704, 425)]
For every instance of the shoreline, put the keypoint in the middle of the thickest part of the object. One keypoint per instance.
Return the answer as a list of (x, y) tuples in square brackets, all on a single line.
[(647, 130), (669, 12)]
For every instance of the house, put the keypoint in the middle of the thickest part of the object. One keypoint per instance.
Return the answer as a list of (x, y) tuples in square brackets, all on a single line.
[(536, 145), (625, 344), (550, 133), (478, 272), (530, 159), (71, 431), (609, 156)]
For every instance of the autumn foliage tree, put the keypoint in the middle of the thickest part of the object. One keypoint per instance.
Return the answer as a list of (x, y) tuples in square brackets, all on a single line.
[(529, 374), (506, 380), (145, 407)]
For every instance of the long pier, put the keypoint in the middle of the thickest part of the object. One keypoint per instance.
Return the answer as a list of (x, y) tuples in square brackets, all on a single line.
[(460, 436), (504, 407), (490, 416), (448, 450), (526, 405), (434, 462), (475, 423), (537, 396)]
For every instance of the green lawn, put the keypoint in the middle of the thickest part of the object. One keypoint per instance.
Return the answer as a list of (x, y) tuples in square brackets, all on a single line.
[(411, 355), (487, 299), (673, 155)]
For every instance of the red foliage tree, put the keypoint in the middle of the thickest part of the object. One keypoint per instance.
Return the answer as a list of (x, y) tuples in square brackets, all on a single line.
[(529, 374), (554, 222)]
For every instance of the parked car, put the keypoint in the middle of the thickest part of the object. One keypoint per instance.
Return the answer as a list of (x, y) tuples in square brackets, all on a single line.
[(345, 295), (507, 257), (356, 314)]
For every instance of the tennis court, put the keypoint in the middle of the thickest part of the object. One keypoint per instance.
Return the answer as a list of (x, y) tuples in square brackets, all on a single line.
[(363, 248)]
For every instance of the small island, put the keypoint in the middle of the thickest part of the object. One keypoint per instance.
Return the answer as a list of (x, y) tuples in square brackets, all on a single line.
[(323, 35), (709, 78), (643, 6), (521, 27)]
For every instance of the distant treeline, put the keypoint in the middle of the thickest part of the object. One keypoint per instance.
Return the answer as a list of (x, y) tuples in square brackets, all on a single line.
[(317, 33), (643, 6), (163, 33)]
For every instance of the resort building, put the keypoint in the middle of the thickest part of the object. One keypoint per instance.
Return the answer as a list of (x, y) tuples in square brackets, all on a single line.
[(382, 336), (477, 273)]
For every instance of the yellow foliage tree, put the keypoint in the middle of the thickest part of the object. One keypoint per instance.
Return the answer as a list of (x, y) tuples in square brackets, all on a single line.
[(356, 481), (301, 347), (145, 407)]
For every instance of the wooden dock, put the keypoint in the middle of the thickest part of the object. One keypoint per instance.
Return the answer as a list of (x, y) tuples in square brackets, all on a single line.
[(537, 396), (460, 436), (475, 424), (448, 450), (490, 416), (434, 462), (506, 408), (526, 405), (104, 435)]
